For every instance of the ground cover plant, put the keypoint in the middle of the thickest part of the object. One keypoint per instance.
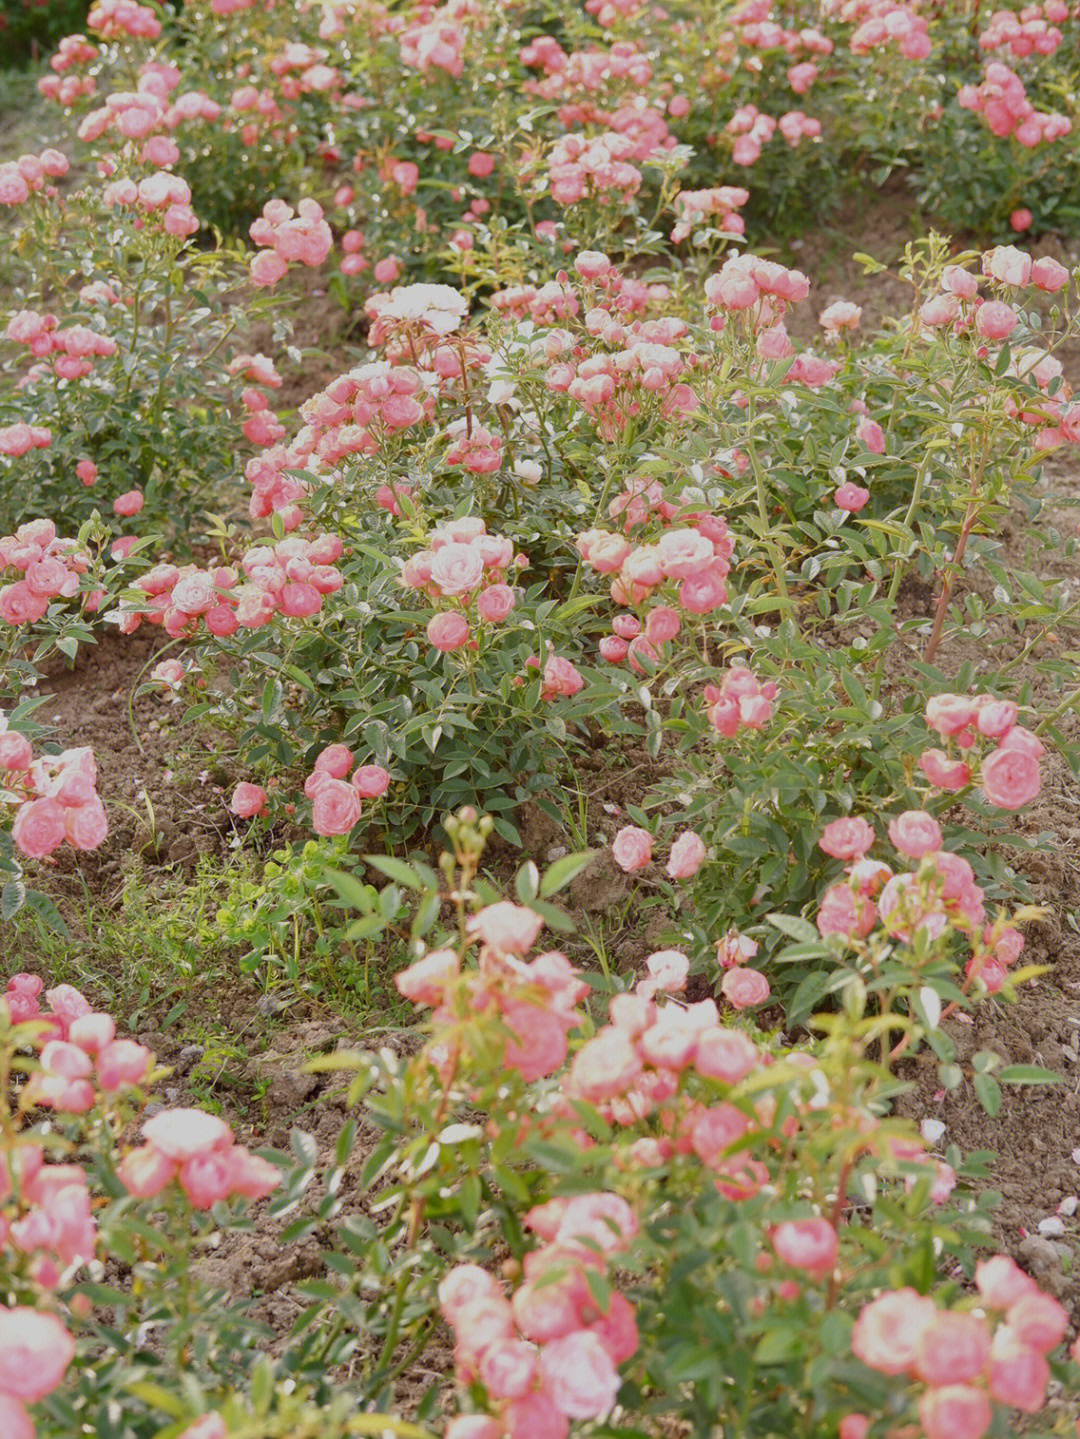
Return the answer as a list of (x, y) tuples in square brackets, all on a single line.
[(538, 745)]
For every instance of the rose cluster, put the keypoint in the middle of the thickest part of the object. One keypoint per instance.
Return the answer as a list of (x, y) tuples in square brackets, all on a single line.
[(464, 569), (54, 797), (288, 235), (1008, 773), (289, 579), (51, 568), (938, 896), (550, 1354), (200, 1152), (965, 1361), (336, 798)]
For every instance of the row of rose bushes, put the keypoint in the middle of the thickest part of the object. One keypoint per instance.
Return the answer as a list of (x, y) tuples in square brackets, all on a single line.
[(664, 1215), (567, 117)]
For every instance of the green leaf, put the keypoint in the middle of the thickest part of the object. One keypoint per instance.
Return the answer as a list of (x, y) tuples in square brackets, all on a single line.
[(796, 928), (988, 1092), (395, 869), (12, 898), (564, 871), (1029, 1074)]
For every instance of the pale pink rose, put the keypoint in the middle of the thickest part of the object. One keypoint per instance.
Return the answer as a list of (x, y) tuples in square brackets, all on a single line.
[(121, 1063), (508, 1369), (1038, 1320), (248, 800), (604, 1066), (1001, 1281), (180, 1134), (129, 503), (579, 1375), (687, 855), (425, 981), (1008, 265), (1010, 778), (854, 1426), (535, 1416), (726, 1054), (743, 988), (871, 434), (448, 631), (851, 497), (462, 1287), (915, 833), (16, 751), (668, 969), (206, 1179), (335, 760), (508, 927), (495, 603), (888, 1330), (474, 1426), (956, 1411), (995, 320), (335, 809), (953, 1349), (996, 718), (251, 1176), (536, 1043), (370, 781), (847, 838), (944, 773), (145, 1171), (15, 1423), (632, 848), (210, 1426), (35, 1351), (39, 827), (807, 1244), (1048, 275), (1019, 1374), (457, 569)]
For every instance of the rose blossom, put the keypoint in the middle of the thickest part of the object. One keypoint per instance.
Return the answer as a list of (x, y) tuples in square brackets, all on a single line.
[(632, 848), (687, 855)]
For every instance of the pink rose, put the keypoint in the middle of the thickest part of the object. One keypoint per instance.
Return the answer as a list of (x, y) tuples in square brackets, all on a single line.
[(1018, 1373), (1010, 777), (210, 1426), (807, 1244), (953, 1348), (370, 781), (39, 827), (495, 603), (508, 927), (956, 1411), (632, 848), (448, 631), (851, 497), (944, 773), (915, 833), (687, 855), (35, 1351), (888, 1331), (248, 800), (335, 760), (726, 1054), (129, 503), (743, 987), (579, 1375), (847, 838), (425, 981), (15, 1423), (180, 1134), (336, 807)]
